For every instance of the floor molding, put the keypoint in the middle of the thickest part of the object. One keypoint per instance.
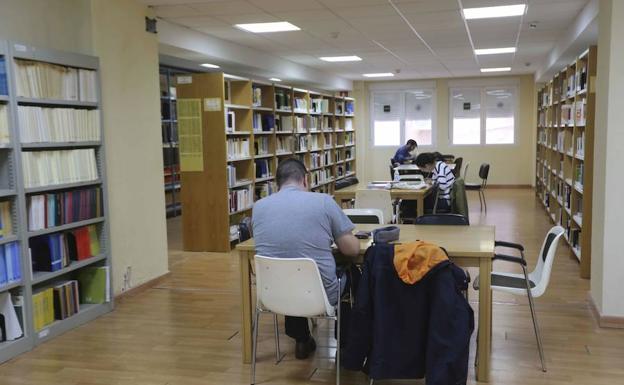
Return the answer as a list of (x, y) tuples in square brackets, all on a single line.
[(143, 287), (508, 186), (604, 321)]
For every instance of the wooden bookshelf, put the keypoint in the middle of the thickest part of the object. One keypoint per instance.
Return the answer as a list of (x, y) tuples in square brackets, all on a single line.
[(22, 107), (565, 150), (277, 121)]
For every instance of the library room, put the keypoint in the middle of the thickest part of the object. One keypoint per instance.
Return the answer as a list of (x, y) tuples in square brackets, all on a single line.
[(347, 192)]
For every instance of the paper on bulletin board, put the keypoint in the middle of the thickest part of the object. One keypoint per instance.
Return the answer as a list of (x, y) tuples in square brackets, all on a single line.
[(212, 104), (190, 135)]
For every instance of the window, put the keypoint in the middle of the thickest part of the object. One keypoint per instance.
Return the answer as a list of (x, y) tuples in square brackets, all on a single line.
[(402, 115), (483, 115)]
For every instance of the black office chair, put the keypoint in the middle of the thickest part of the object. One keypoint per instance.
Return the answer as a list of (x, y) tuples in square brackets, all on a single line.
[(391, 169), (442, 219), (484, 171)]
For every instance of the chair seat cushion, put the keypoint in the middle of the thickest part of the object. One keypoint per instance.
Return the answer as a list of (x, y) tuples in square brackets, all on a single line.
[(473, 186), (506, 281)]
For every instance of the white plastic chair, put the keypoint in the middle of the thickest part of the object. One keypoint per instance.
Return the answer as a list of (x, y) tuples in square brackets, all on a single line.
[(375, 199), (465, 173), (374, 216), (531, 284), (292, 287)]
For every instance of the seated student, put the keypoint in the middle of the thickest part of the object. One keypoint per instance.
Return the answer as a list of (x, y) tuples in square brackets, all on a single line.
[(296, 223), (404, 153), (442, 176)]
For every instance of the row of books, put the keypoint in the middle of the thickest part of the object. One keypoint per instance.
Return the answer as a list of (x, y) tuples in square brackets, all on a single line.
[(320, 159), (580, 144), (320, 176), (578, 176), (265, 189), (315, 143), (237, 148), (300, 124), (284, 123), (12, 315), (263, 168), (4, 85), (52, 252), (302, 143), (283, 99), (51, 81), (45, 168), (301, 104), (63, 298), (42, 124), (6, 219), (56, 209), (263, 122), (284, 143), (261, 145), (320, 105), (231, 175), (328, 140), (240, 199), (349, 107), (348, 124), (5, 136), (10, 265), (349, 138)]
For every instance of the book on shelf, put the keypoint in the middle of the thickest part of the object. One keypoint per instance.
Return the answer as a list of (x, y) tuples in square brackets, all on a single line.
[(41, 80), (326, 124), (43, 308), (580, 114), (313, 123), (66, 299), (300, 124), (348, 153), (94, 284), (230, 121), (231, 175), (349, 166), (349, 107), (301, 104), (263, 168), (261, 146), (284, 123), (5, 136), (240, 199), (282, 99), (237, 148), (314, 142), (571, 86), (580, 145), (263, 122), (11, 308), (320, 176), (349, 138), (328, 139), (263, 190), (302, 143), (285, 143), (578, 175), (339, 108), (6, 220), (52, 252), (581, 79), (340, 171), (256, 95), (4, 86), (10, 265), (88, 85), (327, 157), (47, 168), (348, 124), (60, 208), (43, 124), (320, 105)]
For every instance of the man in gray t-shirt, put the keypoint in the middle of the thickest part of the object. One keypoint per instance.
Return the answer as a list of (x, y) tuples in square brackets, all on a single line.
[(295, 223)]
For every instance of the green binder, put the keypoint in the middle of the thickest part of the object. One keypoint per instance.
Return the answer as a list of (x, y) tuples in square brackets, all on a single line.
[(94, 284)]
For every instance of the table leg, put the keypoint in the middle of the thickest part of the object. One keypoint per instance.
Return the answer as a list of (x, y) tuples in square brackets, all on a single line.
[(485, 320), (420, 206), (246, 327)]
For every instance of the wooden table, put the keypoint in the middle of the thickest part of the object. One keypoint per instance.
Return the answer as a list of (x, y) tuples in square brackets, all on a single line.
[(466, 245), (348, 193), (413, 167)]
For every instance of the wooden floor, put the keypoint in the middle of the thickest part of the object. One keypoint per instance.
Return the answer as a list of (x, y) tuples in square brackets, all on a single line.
[(185, 331)]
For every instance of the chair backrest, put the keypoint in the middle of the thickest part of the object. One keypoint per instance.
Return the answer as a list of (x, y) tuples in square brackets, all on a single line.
[(442, 219), (375, 199), (373, 216), (459, 200), (541, 275), (290, 286), (458, 165), (484, 171), (412, 177), (465, 173)]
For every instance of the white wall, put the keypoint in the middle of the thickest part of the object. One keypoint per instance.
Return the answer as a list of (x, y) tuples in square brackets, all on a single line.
[(607, 268), (114, 31), (510, 164)]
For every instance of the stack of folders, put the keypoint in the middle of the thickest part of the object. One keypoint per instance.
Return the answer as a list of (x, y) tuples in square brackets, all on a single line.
[(5, 137), (52, 252), (44, 168), (88, 85), (6, 221), (10, 266), (46, 81), (56, 209), (42, 124), (66, 299), (231, 175), (4, 88), (43, 308), (11, 309), (94, 282)]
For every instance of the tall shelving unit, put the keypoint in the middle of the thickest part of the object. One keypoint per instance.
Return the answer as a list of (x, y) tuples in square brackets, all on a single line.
[(20, 187), (259, 124), (565, 150)]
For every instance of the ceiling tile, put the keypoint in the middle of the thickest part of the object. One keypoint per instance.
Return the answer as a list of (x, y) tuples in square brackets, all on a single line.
[(286, 5), (167, 11), (230, 7)]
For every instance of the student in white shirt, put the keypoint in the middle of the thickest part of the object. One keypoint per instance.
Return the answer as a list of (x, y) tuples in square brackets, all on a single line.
[(442, 177)]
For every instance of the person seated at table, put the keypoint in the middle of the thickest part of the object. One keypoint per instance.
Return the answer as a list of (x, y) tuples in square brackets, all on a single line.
[(296, 223), (441, 176), (404, 153)]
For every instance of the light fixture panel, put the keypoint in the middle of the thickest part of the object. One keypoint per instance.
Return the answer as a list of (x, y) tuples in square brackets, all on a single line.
[(379, 75), (280, 26), (493, 12), (497, 69), (494, 51), (334, 59)]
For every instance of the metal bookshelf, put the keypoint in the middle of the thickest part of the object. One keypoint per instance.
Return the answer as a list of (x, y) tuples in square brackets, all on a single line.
[(12, 188)]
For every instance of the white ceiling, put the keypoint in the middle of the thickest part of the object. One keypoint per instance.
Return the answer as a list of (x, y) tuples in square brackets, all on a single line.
[(419, 38)]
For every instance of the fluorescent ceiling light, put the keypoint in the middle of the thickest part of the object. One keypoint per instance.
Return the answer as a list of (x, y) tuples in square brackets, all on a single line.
[(208, 65), (379, 75), (340, 58), (279, 26), (275, 80), (494, 51), (499, 69), (491, 12)]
